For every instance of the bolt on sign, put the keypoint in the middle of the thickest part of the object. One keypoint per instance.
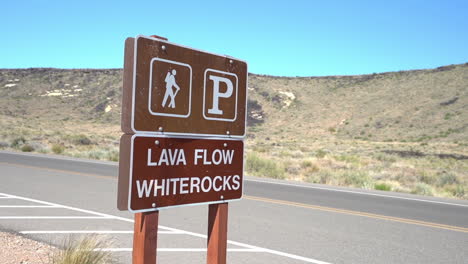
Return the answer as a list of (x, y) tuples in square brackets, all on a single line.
[(158, 171), (177, 90)]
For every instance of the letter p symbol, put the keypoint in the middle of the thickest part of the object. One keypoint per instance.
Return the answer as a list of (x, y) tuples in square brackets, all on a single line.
[(216, 94), (220, 95)]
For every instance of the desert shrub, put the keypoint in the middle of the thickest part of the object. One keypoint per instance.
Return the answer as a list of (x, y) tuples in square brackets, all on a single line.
[(27, 148), (386, 158), (113, 155), (426, 177), (83, 251), (320, 153), (81, 140), (17, 142), (262, 167), (423, 189), (306, 164), (3, 144), (58, 149), (447, 179), (348, 159), (357, 178), (456, 190), (382, 186)]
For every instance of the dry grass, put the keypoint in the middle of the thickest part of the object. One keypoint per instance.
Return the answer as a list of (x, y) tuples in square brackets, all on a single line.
[(83, 251)]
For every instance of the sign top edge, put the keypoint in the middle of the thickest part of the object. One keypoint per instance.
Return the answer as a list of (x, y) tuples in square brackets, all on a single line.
[(195, 49)]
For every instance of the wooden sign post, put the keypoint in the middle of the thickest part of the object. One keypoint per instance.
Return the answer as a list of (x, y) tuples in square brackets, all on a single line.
[(217, 233), (145, 238), (183, 119)]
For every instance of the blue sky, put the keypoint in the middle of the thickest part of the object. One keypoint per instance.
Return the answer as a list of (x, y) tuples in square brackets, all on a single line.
[(288, 38)]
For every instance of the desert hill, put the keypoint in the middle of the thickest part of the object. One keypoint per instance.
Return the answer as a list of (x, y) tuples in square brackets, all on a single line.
[(383, 126)]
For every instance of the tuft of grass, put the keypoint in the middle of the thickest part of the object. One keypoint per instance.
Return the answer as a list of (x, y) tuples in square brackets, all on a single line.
[(83, 251), (58, 149), (27, 148), (262, 167)]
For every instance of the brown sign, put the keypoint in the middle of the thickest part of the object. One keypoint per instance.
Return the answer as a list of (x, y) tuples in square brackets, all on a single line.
[(177, 90), (158, 171)]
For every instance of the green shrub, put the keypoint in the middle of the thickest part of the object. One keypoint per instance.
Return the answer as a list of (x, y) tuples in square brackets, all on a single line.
[(382, 187), (58, 149), (259, 166), (357, 179), (423, 189), (27, 148), (447, 179)]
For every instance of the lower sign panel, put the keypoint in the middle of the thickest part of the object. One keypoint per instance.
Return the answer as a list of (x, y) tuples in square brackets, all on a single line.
[(157, 172)]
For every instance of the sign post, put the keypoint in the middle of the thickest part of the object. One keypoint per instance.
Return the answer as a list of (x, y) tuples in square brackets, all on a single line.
[(184, 120), (217, 233), (145, 236)]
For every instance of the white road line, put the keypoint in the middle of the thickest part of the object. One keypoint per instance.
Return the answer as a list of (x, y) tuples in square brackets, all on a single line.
[(54, 217), (90, 232), (179, 250), (28, 206), (358, 192), (107, 216)]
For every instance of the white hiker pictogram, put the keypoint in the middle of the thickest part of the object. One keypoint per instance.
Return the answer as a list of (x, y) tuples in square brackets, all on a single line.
[(170, 82)]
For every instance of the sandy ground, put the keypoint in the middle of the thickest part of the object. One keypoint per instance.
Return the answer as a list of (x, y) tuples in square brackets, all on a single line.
[(16, 249)]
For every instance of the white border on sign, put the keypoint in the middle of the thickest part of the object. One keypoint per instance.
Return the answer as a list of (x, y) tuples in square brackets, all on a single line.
[(150, 88), (181, 205), (204, 96), (195, 135)]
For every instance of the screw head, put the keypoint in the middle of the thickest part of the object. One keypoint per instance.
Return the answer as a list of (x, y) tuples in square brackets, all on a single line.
[(222, 197), (160, 129), (228, 133), (163, 47), (156, 142), (153, 205), (231, 61), (225, 144)]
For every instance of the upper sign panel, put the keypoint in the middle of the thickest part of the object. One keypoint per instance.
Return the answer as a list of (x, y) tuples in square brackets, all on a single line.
[(176, 90)]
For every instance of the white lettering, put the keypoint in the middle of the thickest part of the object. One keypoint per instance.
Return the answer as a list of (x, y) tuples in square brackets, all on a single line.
[(227, 156), (181, 157), (144, 188), (213, 157), (214, 183), (205, 162), (159, 187), (183, 184), (204, 180), (194, 183), (236, 179), (174, 186), (197, 155), (150, 162), (217, 94), (226, 184), (163, 158)]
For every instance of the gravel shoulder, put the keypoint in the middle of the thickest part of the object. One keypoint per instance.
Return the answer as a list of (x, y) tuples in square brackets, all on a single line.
[(17, 249)]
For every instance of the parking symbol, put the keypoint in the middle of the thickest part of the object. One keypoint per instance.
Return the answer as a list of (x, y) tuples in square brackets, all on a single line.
[(220, 95), (170, 88)]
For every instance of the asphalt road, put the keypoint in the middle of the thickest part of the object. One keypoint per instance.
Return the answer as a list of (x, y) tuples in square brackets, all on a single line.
[(50, 198)]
